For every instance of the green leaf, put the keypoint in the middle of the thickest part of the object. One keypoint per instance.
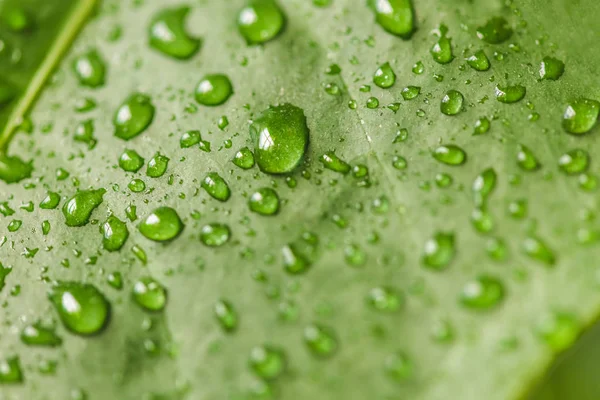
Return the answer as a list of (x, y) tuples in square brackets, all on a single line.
[(390, 263)]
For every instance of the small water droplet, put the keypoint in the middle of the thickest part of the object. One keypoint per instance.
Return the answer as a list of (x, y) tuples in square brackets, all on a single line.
[(131, 161), (384, 77), (226, 315), (213, 90), (267, 362), (90, 69), (537, 249), (133, 116), (410, 92), (510, 94), (526, 160), (38, 334), (216, 186), (395, 16), (450, 155), (385, 299), (482, 293), (215, 235), (264, 201), (320, 340), (114, 233), (479, 61), (574, 161), (551, 68), (149, 294)]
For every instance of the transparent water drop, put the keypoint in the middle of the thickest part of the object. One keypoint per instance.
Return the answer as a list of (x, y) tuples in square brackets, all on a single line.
[(38, 334), (244, 158), (78, 209), (332, 162), (482, 220), (82, 308), (130, 161), (90, 69), (157, 166), (537, 249), (483, 185), (479, 61), (13, 169), (482, 293), (168, 35), (226, 315), (267, 362), (495, 31), (551, 69), (526, 160), (133, 116), (189, 139), (395, 16), (439, 251), (260, 21), (385, 299), (161, 225), (482, 126), (452, 102), (574, 161), (450, 155), (216, 186), (410, 92), (280, 136), (510, 94), (441, 51), (114, 233), (580, 116), (213, 90), (10, 371), (294, 262), (149, 294), (264, 201), (320, 340), (215, 235), (384, 77)]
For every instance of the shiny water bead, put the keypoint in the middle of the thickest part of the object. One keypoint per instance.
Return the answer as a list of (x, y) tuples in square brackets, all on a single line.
[(90, 69), (496, 249), (384, 77), (320, 340), (13, 169), (441, 51), (133, 116), (398, 366), (114, 233), (482, 293), (216, 186), (482, 125), (395, 16), (260, 21), (84, 133), (226, 315), (130, 161), (149, 294), (294, 262), (479, 61), (267, 362), (157, 166), (410, 92), (580, 116), (39, 335), (10, 371), (587, 182), (215, 235), (526, 160), (280, 136), (167, 34), (482, 220), (559, 330), (136, 185), (213, 90), (82, 308), (510, 94), (190, 138), (452, 102), (418, 68), (551, 69), (483, 185), (574, 161), (244, 158), (78, 209), (399, 162), (495, 31), (537, 249), (372, 103), (443, 180), (332, 162), (517, 208), (385, 299), (450, 155), (161, 225), (264, 201), (439, 251), (51, 201)]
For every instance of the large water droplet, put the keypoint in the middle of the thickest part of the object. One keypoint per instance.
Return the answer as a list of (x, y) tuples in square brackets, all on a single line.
[(90, 69), (114, 233), (13, 169), (510, 94), (149, 294), (82, 308), (78, 209), (450, 155), (162, 225), (260, 21), (479, 61), (216, 186), (551, 68), (213, 90), (215, 235), (267, 362), (264, 201), (133, 116), (581, 116), (168, 35), (280, 137), (441, 51), (452, 102), (384, 76), (131, 161), (395, 16)]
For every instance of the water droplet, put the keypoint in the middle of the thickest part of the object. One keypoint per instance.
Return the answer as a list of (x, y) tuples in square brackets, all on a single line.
[(496, 249), (399, 162), (443, 180), (355, 256), (495, 31), (82, 308), (410, 92), (189, 138), (149, 294), (215, 235), (418, 68), (293, 261), (244, 158), (482, 220), (372, 103), (168, 35), (395, 16), (157, 166), (131, 161), (226, 315), (399, 366), (13, 169), (452, 102), (10, 371), (479, 61), (51, 201), (483, 185), (537, 249), (384, 76), (559, 330), (526, 160), (439, 251), (510, 94), (483, 292), (90, 69), (321, 340), (216, 186), (260, 21), (332, 162), (280, 137), (385, 299), (78, 209), (581, 116), (588, 182), (450, 155), (267, 362), (133, 116), (551, 68), (136, 185), (114, 233), (213, 90), (441, 51), (482, 125), (39, 335), (264, 201), (574, 161), (162, 225)]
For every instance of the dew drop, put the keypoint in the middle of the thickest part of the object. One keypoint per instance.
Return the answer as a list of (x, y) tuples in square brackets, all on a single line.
[(574, 162), (395, 16), (559, 330), (482, 293), (149, 294), (479, 61), (260, 21), (161, 225), (264, 201), (215, 235), (551, 68), (439, 251), (90, 69), (82, 308), (510, 94), (452, 102), (131, 161), (384, 77), (495, 31), (13, 169), (38, 334), (537, 249), (320, 340), (526, 160), (450, 155), (213, 90), (78, 209), (114, 233), (580, 116), (226, 315), (385, 299), (133, 116), (216, 187), (167, 34), (10, 371)]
